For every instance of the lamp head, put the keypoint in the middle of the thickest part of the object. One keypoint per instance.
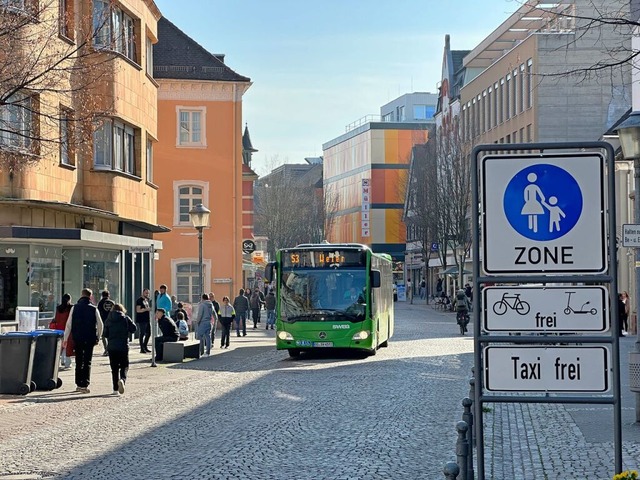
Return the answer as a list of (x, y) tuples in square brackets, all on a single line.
[(199, 216)]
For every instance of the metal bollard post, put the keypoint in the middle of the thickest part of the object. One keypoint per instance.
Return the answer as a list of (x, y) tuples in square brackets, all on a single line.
[(467, 416), (462, 448), (472, 388), (451, 471)]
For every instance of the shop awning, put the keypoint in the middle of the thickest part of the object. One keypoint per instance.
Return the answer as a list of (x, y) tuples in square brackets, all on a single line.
[(454, 271)]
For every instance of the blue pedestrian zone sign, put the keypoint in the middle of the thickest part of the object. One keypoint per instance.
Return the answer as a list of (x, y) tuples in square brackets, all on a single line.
[(543, 202), (543, 214)]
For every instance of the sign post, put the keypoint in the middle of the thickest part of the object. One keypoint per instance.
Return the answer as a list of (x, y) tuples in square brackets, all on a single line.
[(542, 217), (154, 323)]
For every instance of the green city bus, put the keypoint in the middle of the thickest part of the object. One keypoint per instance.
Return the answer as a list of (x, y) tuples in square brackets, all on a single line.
[(332, 296)]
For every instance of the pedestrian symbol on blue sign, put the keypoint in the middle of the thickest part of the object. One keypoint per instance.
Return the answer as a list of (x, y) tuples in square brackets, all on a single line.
[(543, 202)]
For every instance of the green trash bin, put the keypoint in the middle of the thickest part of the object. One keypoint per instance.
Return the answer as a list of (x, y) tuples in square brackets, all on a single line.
[(17, 350), (45, 359)]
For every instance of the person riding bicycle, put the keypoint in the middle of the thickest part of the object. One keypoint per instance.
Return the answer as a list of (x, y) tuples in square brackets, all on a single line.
[(462, 307)]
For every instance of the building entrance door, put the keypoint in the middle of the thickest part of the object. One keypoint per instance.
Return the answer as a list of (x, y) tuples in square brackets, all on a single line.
[(8, 287)]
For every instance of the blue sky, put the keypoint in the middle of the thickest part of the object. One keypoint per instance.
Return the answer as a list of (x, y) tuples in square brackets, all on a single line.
[(318, 66)]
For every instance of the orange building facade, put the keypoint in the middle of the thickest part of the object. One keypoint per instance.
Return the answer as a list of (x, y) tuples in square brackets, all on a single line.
[(378, 154), (198, 159), (74, 196)]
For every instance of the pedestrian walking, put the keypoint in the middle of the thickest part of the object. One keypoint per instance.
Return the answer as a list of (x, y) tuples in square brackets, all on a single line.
[(59, 322), (423, 289), (227, 315), (270, 306), (164, 300), (625, 315), (409, 290), (216, 308), (169, 332), (204, 318), (241, 307), (256, 305), (85, 326), (143, 319), (117, 329), (183, 328), (104, 308)]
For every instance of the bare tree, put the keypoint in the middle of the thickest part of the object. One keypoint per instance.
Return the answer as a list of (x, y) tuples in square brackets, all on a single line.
[(51, 80), (290, 212)]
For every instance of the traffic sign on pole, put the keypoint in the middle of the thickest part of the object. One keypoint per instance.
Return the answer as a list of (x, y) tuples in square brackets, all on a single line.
[(546, 309), (543, 215), (630, 235), (547, 369)]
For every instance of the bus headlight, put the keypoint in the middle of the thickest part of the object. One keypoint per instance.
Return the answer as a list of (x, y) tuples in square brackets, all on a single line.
[(361, 335), (282, 335)]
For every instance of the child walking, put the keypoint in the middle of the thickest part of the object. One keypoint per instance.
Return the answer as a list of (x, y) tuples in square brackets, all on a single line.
[(116, 330)]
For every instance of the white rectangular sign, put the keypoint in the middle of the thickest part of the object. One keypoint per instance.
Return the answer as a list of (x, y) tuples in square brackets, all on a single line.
[(543, 214), (547, 369), (365, 207), (140, 249), (546, 309), (630, 235)]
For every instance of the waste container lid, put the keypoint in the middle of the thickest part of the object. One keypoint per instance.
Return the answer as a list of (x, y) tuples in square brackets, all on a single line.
[(16, 334), (47, 332)]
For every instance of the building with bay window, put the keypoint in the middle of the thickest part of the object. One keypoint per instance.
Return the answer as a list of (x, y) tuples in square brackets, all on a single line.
[(76, 151)]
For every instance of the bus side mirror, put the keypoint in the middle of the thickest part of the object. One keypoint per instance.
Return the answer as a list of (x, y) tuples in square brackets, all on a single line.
[(268, 272), (375, 278)]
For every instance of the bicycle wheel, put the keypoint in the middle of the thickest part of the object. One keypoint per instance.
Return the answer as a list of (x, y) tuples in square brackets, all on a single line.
[(500, 308), (522, 307)]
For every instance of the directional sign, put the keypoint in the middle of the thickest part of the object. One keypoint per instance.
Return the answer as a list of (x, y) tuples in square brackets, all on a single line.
[(547, 369), (546, 309), (630, 235), (543, 214), (248, 246)]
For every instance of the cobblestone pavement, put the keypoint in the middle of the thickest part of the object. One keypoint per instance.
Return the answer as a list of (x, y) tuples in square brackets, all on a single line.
[(250, 412)]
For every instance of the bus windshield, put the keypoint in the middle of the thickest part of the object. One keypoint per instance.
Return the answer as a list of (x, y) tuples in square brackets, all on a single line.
[(323, 295)]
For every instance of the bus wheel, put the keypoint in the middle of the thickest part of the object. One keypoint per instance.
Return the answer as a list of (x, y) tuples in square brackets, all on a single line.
[(384, 344), (294, 352)]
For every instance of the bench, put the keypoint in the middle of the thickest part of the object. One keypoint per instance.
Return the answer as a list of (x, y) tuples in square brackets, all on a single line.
[(176, 352)]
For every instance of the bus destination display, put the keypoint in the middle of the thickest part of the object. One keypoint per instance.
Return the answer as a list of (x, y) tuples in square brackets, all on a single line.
[(323, 258)]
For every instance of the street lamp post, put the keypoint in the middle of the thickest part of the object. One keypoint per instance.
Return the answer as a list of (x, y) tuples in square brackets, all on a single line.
[(629, 135), (200, 219)]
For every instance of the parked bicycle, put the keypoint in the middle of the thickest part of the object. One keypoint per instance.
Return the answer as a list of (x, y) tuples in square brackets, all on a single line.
[(511, 302)]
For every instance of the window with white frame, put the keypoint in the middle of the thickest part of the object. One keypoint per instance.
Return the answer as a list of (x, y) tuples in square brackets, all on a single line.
[(114, 29), (16, 122), (149, 160), (114, 147), (188, 194), (191, 126), (188, 282), (66, 119)]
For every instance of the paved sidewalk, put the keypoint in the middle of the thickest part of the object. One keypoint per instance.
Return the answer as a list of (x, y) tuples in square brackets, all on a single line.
[(552, 441)]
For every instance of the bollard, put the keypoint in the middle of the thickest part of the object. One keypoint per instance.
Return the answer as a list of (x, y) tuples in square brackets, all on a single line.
[(472, 388), (462, 448), (467, 416), (451, 471)]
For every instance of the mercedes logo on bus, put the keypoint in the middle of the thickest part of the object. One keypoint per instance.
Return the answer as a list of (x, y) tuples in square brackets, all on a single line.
[(322, 334)]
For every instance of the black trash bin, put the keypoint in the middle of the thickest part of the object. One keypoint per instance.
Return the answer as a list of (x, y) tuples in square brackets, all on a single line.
[(45, 359), (17, 350)]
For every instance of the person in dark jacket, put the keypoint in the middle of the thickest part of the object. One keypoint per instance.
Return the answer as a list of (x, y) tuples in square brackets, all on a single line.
[(104, 308), (216, 308), (169, 332), (270, 306), (85, 326), (256, 304), (241, 307), (116, 330)]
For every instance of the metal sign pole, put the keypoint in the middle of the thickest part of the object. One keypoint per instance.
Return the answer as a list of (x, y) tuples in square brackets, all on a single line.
[(152, 301)]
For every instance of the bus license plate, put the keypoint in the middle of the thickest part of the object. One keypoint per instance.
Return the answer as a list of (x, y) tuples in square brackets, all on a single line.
[(323, 344)]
